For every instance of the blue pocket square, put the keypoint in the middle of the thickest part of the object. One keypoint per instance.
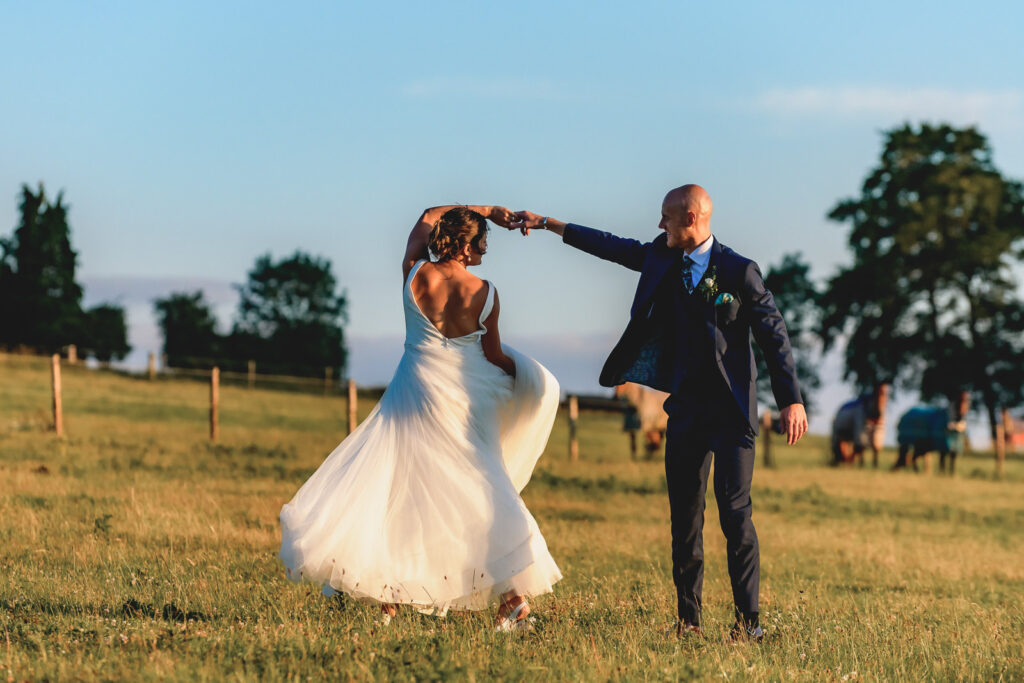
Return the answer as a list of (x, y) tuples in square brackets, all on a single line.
[(724, 298)]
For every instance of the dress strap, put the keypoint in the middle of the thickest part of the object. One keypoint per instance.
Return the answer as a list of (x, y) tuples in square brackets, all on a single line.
[(412, 273), (488, 304)]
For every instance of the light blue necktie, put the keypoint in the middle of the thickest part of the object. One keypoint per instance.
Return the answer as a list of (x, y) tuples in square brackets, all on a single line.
[(688, 264)]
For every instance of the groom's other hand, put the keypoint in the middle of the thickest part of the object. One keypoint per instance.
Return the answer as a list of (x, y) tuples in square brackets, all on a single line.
[(794, 422)]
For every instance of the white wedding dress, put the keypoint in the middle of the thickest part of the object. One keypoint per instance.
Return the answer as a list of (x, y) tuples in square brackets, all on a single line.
[(420, 504)]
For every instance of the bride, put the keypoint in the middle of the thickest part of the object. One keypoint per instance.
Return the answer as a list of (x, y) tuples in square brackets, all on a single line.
[(420, 505)]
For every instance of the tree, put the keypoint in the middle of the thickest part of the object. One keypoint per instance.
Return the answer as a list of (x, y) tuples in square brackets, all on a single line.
[(290, 318), (104, 333), (930, 298), (40, 301), (797, 298), (189, 330)]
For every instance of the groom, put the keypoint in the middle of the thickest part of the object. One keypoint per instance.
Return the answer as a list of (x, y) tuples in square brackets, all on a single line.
[(695, 307)]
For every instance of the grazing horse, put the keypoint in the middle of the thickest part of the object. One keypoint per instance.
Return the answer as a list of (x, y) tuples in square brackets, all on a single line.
[(923, 429), (643, 412), (860, 424)]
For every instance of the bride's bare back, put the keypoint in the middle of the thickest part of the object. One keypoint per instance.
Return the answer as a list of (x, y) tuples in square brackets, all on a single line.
[(450, 297), (445, 292)]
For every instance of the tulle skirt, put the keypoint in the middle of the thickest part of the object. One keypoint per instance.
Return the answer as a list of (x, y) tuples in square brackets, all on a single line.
[(420, 505)]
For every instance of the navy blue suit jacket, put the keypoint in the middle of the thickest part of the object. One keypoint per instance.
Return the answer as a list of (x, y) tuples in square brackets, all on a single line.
[(644, 356)]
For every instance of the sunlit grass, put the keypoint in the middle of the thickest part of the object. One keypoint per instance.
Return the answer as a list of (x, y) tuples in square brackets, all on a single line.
[(134, 546)]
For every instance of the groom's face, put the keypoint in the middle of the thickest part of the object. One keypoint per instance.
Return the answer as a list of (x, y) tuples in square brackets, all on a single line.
[(677, 222)]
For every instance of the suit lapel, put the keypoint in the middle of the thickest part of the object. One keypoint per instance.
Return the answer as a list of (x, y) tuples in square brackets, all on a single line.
[(711, 312), (659, 259)]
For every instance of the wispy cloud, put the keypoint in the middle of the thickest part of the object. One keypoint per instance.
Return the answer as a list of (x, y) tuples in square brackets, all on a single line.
[(142, 289), (492, 88), (992, 107)]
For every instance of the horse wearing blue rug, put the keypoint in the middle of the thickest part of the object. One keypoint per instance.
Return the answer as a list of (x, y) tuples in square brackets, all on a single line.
[(924, 429)]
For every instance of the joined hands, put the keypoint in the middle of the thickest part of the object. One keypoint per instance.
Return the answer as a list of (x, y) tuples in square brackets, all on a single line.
[(524, 221), (514, 220)]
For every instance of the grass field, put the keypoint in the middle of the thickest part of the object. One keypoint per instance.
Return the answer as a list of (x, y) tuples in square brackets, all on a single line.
[(135, 548)]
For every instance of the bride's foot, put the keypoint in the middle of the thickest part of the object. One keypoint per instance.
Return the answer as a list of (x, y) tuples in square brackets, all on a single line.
[(514, 615), (386, 613)]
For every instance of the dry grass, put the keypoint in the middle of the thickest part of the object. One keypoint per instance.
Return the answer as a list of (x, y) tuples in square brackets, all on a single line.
[(145, 551)]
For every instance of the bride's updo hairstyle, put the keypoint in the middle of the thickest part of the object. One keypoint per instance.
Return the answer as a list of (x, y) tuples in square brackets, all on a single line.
[(454, 230)]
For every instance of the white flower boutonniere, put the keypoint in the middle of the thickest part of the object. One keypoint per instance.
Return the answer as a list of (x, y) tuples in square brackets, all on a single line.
[(708, 287)]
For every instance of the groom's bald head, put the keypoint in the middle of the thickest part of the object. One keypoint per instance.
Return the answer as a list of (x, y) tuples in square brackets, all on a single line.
[(686, 216), (692, 198)]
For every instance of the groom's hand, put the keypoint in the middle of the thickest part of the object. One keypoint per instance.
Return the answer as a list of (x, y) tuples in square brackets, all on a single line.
[(794, 422)]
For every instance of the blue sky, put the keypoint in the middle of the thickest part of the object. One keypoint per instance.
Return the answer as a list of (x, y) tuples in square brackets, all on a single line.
[(192, 137)]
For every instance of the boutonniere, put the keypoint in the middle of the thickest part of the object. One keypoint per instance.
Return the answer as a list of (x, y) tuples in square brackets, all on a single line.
[(724, 298), (708, 287)]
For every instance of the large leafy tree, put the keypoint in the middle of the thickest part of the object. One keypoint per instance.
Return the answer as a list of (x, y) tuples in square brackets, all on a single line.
[(291, 316), (930, 298), (797, 298), (189, 330), (40, 301)]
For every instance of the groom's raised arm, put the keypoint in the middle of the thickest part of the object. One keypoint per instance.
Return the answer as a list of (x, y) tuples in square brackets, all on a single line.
[(624, 251)]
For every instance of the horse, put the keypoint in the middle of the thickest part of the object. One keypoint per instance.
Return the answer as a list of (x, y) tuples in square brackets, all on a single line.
[(644, 412), (923, 429), (860, 424)]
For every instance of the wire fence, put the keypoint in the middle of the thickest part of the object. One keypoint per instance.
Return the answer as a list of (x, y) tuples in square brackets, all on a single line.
[(1008, 435)]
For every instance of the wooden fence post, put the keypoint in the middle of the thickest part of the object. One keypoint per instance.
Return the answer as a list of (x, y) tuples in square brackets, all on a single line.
[(328, 375), (214, 401), (574, 414), (58, 411), (252, 374), (353, 403), (72, 354), (766, 438), (151, 368), (1000, 449)]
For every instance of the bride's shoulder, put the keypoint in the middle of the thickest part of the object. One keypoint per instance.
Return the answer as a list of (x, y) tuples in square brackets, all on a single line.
[(470, 281)]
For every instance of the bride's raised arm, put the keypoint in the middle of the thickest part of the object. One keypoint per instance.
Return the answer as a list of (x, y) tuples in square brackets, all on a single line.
[(416, 247)]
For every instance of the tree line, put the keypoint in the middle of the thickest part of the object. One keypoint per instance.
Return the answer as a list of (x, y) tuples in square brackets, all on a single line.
[(40, 299), (290, 317), (290, 321)]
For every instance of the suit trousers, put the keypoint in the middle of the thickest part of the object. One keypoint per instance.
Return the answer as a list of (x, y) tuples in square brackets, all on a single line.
[(701, 423)]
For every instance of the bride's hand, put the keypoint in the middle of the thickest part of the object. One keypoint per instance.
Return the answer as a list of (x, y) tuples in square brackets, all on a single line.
[(502, 216)]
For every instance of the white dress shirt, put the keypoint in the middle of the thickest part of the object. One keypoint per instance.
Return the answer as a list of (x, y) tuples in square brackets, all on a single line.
[(700, 256)]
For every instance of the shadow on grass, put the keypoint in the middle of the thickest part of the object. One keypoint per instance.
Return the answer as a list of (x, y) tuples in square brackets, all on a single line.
[(129, 608), (169, 612)]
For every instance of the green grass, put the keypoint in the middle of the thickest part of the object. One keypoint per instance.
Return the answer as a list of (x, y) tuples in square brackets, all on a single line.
[(134, 547)]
